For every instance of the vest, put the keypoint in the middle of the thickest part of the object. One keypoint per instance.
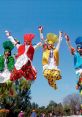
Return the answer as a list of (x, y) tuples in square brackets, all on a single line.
[(30, 52), (46, 54)]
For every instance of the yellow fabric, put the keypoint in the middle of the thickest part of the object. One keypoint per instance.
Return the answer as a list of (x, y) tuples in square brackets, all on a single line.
[(52, 73), (52, 38), (56, 55), (52, 83), (52, 76), (46, 56), (81, 92)]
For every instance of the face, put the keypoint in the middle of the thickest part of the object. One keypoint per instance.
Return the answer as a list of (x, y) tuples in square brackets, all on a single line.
[(27, 42), (79, 49), (50, 46), (7, 53)]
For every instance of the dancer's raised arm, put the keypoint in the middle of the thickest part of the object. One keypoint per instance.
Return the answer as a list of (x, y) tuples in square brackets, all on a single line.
[(11, 38), (59, 40), (69, 44), (40, 28)]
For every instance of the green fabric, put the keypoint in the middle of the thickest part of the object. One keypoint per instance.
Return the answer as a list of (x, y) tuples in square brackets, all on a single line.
[(8, 45), (1, 63), (10, 63)]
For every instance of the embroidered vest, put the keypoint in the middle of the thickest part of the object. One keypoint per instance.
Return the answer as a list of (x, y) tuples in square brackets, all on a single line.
[(45, 57), (30, 51)]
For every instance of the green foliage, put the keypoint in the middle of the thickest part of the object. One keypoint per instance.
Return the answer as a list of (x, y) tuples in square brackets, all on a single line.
[(67, 110), (4, 88), (20, 101)]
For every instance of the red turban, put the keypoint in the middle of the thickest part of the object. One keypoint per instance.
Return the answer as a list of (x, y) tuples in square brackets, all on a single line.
[(28, 37)]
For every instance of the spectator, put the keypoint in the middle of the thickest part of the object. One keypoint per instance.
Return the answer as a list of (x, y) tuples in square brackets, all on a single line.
[(33, 114), (21, 114)]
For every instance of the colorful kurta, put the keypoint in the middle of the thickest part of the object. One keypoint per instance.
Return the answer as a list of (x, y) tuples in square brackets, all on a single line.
[(50, 59), (23, 65)]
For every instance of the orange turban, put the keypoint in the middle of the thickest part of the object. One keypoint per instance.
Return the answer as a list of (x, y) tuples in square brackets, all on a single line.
[(28, 37)]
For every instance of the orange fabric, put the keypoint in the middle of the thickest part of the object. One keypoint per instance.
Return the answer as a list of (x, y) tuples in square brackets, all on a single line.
[(28, 37)]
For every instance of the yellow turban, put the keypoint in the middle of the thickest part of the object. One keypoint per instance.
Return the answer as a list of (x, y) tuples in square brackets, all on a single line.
[(52, 38)]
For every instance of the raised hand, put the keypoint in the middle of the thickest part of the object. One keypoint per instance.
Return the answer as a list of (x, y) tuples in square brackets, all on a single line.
[(66, 37), (7, 33), (40, 28), (60, 33), (39, 44)]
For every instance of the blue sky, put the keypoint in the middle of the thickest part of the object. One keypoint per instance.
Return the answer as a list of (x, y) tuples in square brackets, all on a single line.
[(24, 16)]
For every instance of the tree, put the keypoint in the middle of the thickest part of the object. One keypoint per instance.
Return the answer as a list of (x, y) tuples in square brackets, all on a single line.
[(51, 105), (67, 110), (34, 105), (59, 109), (21, 100), (73, 102)]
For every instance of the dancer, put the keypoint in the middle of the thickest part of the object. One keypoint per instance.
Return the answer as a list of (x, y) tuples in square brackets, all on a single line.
[(77, 53), (6, 62), (50, 58), (24, 57), (6, 66)]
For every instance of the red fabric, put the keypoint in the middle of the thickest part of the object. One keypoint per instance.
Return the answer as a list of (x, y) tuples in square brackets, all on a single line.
[(30, 52), (28, 37), (16, 74), (80, 80), (27, 71), (21, 50), (44, 46)]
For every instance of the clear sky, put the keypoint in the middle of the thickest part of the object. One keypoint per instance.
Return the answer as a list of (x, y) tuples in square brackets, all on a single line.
[(24, 16)]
